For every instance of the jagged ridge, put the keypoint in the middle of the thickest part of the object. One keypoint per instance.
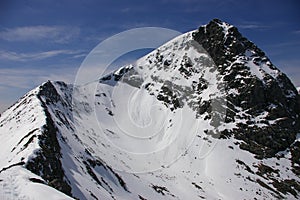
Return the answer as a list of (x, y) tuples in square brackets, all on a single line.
[(273, 95)]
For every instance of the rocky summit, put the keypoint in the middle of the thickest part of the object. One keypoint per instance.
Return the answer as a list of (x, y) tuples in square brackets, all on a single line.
[(205, 116), (258, 88)]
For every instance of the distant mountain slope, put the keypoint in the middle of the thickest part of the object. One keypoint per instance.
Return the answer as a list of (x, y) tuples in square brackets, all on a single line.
[(204, 116)]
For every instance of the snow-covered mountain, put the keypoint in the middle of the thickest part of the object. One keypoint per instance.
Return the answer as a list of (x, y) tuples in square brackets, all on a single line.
[(204, 116)]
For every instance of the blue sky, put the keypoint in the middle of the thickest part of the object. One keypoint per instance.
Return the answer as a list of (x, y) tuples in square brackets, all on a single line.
[(45, 39)]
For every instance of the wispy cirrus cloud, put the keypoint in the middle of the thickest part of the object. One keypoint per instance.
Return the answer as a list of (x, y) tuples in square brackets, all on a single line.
[(58, 34), (22, 57), (253, 26), (16, 78), (31, 77), (291, 68), (16, 82), (296, 32)]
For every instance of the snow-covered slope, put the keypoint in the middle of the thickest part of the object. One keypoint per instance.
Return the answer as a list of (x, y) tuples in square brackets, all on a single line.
[(196, 118)]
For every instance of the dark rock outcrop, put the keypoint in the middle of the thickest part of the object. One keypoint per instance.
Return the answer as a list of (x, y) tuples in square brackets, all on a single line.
[(47, 162), (275, 96)]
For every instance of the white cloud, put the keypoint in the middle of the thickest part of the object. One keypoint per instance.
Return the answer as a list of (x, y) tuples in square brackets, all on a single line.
[(126, 10), (59, 34), (16, 82), (291, 69), (16, 78), (4, 105), (253, 26), (297, 32), (29, 77), (14, 56)]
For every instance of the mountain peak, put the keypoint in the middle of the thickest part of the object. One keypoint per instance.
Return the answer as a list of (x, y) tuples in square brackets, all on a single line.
[(158, 116), (223, 41), (247, 70), (220, 23)]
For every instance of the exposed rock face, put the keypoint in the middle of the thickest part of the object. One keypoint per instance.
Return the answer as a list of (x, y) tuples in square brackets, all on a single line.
[(271, 95), (47, 162)]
